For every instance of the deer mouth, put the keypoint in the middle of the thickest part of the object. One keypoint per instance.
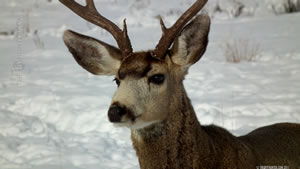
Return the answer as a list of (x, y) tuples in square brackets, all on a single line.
[(129, 119), (134, 123)]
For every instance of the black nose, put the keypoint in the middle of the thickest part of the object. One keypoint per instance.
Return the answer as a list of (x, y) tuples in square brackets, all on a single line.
[(115, 113)]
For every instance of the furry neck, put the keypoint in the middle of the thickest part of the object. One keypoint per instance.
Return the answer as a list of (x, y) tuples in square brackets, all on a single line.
[(173, 143)]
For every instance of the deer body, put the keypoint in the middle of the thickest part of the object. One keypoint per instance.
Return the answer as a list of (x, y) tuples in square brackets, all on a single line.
[(152, 102), (182, 143)]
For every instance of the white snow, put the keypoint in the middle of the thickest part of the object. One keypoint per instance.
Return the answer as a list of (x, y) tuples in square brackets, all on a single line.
[(53, 114)]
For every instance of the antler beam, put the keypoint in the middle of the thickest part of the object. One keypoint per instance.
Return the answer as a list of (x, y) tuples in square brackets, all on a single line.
[(169, 34), (90, 13)]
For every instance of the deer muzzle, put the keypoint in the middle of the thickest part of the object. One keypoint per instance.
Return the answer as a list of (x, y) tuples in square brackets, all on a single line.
[(115, 113)]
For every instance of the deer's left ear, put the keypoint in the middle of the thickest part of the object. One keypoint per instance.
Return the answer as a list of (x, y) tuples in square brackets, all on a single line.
[(191, 44)]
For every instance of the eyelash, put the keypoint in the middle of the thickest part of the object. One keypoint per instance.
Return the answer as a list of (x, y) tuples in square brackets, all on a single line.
[(117, 81)]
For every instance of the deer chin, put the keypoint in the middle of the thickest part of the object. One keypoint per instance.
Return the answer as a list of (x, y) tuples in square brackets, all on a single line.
[(136, 124)]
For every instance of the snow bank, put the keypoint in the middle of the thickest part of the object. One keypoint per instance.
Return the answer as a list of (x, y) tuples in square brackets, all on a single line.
[(53, 114)]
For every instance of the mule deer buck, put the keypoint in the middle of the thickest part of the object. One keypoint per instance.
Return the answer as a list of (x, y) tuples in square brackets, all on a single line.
[(152, 102)]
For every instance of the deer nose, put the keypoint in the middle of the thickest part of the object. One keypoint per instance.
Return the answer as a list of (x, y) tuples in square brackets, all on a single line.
[(115, 113)]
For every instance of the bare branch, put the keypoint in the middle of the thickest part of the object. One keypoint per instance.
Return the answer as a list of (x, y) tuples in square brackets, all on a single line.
[(90, 13), (170, 34), (90, 4)]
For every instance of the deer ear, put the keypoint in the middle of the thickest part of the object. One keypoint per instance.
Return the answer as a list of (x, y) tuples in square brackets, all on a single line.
[(93, 55), (191, 43)]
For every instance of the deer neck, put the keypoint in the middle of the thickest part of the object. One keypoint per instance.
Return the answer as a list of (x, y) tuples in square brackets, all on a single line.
[(168, 144)]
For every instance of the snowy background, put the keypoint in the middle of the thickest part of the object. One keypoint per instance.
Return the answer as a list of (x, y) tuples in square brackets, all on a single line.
[(53, 114)]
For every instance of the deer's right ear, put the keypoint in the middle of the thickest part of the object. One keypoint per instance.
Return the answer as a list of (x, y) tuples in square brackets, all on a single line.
[(93, 55)]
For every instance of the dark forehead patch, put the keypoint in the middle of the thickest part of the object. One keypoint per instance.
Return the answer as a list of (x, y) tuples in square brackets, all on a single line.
[(137, 65)]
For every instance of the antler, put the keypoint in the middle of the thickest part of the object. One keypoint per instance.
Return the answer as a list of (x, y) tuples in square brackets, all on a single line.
[(169, 34), (90, 13)]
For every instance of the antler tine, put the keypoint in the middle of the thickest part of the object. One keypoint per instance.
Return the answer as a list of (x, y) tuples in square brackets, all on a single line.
[(90, 4), (162, 24), (169, 34), (90, 13)]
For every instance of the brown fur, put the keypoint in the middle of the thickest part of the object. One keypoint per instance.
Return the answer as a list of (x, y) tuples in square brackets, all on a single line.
[(137, 65), (181, 142)]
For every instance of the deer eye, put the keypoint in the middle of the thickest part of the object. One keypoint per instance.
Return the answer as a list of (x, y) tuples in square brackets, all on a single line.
[(117, 81), (156, 79)]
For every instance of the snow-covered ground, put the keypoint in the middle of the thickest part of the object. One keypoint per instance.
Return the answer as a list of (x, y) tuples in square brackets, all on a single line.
[(53, 114)]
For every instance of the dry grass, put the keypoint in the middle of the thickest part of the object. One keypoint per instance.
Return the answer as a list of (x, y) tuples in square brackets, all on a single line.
[(288, 6), (39, 44), (240, 50), (292, 6)]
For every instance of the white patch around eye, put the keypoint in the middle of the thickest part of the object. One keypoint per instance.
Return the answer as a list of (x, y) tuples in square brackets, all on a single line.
[(128, 95), (125, 94)]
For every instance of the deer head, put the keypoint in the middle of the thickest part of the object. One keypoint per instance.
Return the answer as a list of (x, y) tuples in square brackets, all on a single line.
[(148, 82)]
